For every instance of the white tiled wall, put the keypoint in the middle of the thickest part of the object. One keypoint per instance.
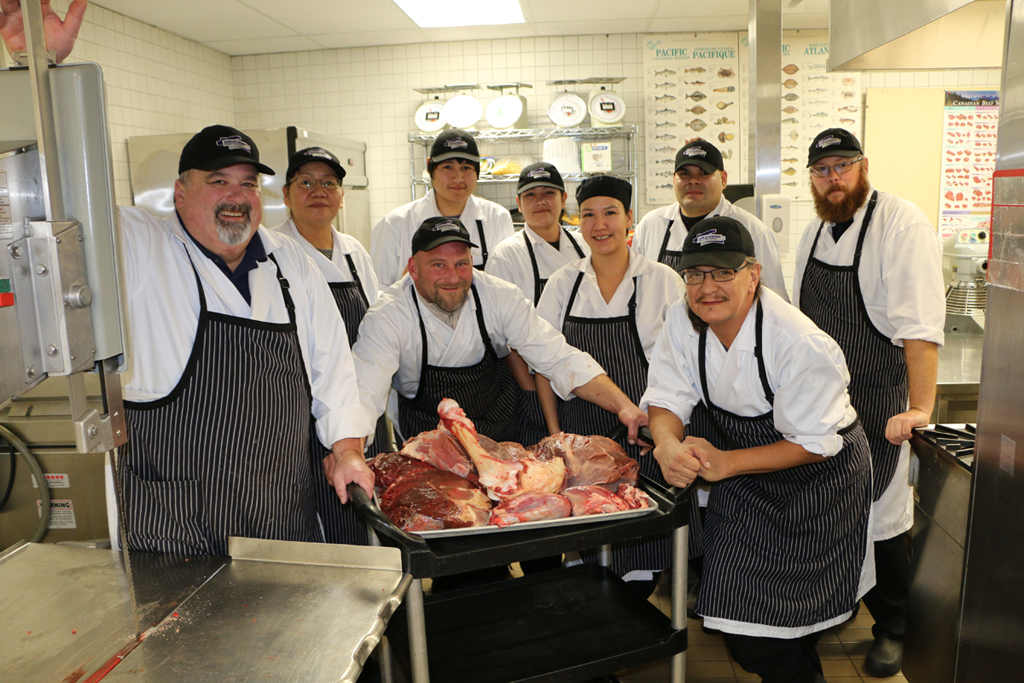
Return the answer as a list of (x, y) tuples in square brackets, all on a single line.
[(160, 83), (156, 82)]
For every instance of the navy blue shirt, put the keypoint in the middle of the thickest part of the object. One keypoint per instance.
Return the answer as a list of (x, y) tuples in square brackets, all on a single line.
[(255, 253)]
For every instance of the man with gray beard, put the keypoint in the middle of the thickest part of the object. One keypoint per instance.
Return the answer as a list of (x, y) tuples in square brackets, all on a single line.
[(236, 345), (869, 274)]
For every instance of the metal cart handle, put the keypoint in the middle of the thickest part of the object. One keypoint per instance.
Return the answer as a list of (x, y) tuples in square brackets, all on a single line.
[(376, 520), (677, 494)]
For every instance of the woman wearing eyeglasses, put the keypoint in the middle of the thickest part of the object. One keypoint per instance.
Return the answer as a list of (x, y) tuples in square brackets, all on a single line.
[(313, 194), (612, 305)]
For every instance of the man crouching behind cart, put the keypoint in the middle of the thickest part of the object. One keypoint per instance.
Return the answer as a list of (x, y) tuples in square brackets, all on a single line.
[(762, 394)]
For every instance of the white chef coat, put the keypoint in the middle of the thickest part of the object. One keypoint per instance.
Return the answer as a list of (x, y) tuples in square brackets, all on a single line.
[(389, 350), (163, 315), (900, 279), (658, 287), (510, 260), (391, 238), (336, 268), (806, 370), (650, 233)]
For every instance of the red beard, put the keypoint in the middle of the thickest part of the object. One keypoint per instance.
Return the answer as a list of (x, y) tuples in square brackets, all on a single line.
[(831, 212)]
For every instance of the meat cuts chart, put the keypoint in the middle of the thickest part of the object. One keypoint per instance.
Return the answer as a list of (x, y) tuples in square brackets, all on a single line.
[(969, 134), (691, 90)]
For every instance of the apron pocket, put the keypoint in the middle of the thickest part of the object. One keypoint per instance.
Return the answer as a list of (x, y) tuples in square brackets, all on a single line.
[(165, 516)]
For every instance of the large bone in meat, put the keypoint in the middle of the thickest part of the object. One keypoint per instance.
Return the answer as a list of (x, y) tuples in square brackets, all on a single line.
[(531, 507), (593, 500), (435, 499), (499, 476), (440, 449)]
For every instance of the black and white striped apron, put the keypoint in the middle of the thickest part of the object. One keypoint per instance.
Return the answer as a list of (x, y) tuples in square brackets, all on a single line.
[(532, 426), (486, 391), (672, 259), (483, 243), (341, 525), (226, 453), (615, 344), (783, 549), (831, 297)]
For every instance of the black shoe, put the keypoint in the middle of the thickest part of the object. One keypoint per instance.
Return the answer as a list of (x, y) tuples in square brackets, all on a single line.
[(885, 657)]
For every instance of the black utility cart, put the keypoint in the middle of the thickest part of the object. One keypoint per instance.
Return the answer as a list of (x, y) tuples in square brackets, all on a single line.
[(569, 624)]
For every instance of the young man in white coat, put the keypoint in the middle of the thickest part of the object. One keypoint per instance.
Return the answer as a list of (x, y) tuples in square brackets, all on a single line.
[(698, 182), (762, 395), (868, 272), (454, 167)]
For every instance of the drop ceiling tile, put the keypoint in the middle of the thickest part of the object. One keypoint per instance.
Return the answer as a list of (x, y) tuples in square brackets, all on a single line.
[(542, 11), (201, 20), (314, 17), (370, 38), (260, 46)]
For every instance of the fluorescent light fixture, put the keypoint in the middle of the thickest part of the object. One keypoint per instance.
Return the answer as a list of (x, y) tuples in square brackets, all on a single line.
[(447, 13)]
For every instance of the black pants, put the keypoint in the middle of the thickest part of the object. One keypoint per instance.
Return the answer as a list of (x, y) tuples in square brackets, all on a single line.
[(777, 660), (887, 601)]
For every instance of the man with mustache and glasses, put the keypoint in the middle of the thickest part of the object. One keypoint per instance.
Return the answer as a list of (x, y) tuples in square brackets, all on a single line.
[(442, 331), (762, 395), (868, 273), (453, 166), (234, 339)]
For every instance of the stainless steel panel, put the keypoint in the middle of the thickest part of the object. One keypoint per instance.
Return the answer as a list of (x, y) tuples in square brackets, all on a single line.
[(66, 612), (766, 117), (880, 34), (959, 375), (86, 171)]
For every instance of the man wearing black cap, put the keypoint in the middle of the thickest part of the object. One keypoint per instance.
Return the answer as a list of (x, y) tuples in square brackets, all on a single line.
[(441, 332), (454, 167), (527, 260), (868, 272), (234, 338), (762, 394), (698, 182), (313, 194)]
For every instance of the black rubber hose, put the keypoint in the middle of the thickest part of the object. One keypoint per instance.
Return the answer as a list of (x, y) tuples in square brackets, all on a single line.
[(37, 472)]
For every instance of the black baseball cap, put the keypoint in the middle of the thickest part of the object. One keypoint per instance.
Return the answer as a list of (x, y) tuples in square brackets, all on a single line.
[(439, 230), (605, 186), (717, 241), (216, 147), (305, 156), (541, 174), (702, 154), (833, 142), (454, 143)]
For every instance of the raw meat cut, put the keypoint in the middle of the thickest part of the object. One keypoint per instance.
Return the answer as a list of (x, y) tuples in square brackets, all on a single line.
[(530, 507), (435, 499), (634, 497), (590, 460), (593, 500), (440, 449), (388, 468), (499, 473)]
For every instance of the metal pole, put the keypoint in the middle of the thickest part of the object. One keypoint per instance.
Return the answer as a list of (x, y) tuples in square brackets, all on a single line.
[(417, 633), (39, 67), (765, 36), (680, 544)]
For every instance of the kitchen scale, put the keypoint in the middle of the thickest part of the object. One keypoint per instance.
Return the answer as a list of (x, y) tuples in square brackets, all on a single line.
[(508, 111), (605, 107), (459, 111)]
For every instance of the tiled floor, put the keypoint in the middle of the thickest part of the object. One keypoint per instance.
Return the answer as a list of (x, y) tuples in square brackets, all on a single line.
[(841, 649)]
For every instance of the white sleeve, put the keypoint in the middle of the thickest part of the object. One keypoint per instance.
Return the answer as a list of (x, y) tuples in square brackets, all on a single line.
[(672, 378), (386, 250), (644, 236), (912, 274), (767, 250), (504, 264), (364, 266), (377, 355)]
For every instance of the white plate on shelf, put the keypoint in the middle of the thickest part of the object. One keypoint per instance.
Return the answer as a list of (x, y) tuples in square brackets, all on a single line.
[(463, 111), (567, 110)]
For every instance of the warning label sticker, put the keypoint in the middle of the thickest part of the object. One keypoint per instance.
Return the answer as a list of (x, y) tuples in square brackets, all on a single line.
[(62, 514)]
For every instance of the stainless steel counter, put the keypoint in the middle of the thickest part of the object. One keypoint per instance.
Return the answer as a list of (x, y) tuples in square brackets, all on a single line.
[(959, 377)]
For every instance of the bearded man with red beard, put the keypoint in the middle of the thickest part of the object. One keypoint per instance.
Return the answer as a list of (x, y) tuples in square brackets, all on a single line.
[(868, 272)]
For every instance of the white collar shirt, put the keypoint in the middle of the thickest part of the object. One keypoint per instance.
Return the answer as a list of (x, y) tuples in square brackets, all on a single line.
[(336, 268), (163, 315), (511, 260)]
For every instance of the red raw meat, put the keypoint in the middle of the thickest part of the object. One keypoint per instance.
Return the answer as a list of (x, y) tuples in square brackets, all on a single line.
[(634, 497), (389, 468), (440, 449), (590, 460), (531, 507), (593, 500), (434, 499)]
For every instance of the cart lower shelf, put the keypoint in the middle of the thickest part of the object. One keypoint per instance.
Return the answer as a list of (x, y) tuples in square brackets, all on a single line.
[(566, 625)]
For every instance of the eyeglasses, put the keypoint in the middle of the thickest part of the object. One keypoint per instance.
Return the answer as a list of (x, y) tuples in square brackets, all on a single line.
[(696, 277), (328, 184), (841, 168)]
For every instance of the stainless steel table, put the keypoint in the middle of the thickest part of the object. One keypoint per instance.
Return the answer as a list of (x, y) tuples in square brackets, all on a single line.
[(959, 377)]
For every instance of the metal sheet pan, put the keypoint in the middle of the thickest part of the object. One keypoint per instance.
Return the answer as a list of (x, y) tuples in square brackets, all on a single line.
[(541, 524)]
